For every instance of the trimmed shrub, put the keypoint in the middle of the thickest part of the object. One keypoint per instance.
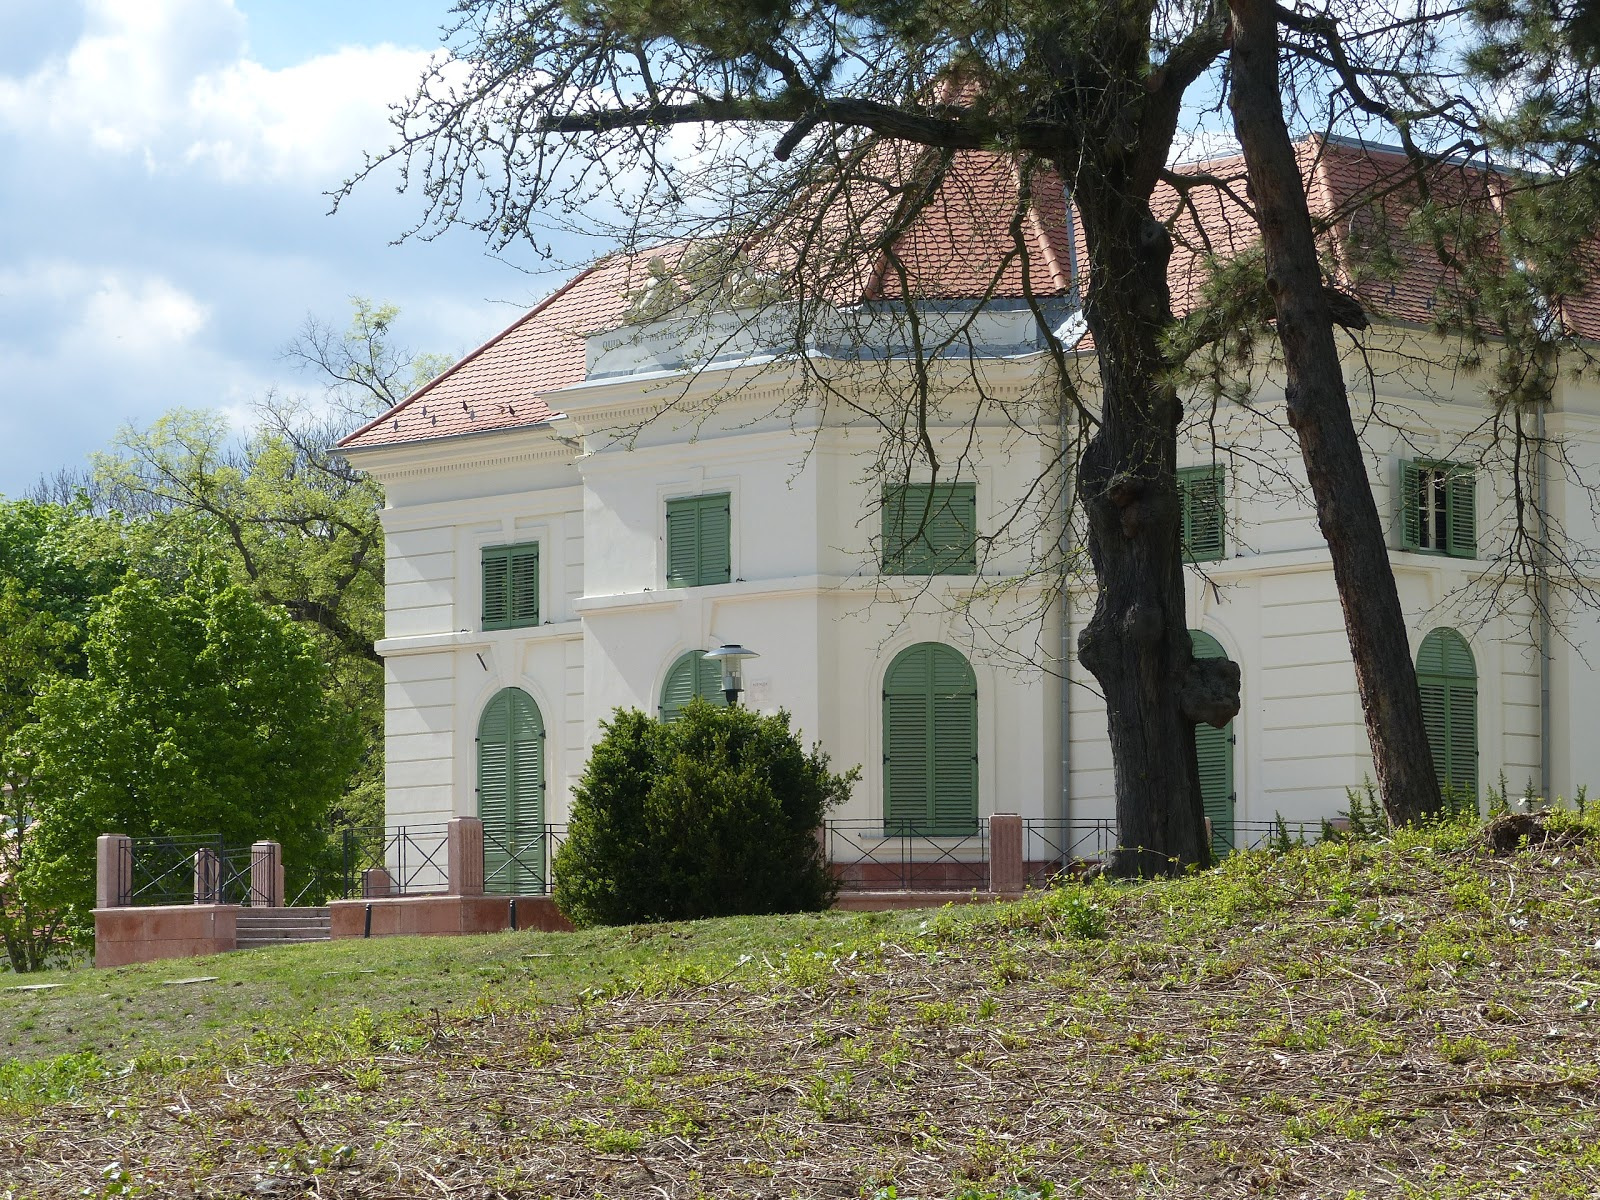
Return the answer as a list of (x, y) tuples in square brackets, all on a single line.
[(713, 814)]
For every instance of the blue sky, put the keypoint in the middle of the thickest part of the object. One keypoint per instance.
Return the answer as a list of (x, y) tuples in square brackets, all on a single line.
[(163, 227)]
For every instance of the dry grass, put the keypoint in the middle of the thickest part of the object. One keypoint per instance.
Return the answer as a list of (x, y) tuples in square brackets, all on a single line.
[(1413, 1020)]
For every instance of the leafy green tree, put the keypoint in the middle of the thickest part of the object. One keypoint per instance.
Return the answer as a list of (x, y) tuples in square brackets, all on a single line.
[(35, 649), (288, 515), (203, 712), (62, 556), (713, 814)]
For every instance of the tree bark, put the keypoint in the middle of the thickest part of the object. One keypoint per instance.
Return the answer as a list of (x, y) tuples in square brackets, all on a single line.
[(1136, 644), (1319, 412)]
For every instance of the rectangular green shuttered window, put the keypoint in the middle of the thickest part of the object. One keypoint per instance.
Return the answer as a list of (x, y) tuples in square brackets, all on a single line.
[(931, 529), (1438, 508), (1201, 492), (510, 586), (698, 533)]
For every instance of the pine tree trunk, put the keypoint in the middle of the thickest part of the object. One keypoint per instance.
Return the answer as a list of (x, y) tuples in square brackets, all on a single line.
[(1136, 644), (1319, 413)]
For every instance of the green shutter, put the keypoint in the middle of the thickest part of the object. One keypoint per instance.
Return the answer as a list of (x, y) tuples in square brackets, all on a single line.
[(905, 764), (1461, 706), (714, 559), (511, 586), (524, 584), (698, 540), (683, 543), (494, 780), (1462, 513), (930, 737), (1201, 493), (1214, 754), (1435, 720), (496, 589), (511, 793), (1411, 505), (930, 529), (953, 736), (1447, 681), (692, 675)]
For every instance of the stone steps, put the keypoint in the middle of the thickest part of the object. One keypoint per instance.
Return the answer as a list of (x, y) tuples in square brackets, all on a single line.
[(283, 926)]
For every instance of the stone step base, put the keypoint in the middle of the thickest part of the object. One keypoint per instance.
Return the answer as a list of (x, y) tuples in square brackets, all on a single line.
[(282, 926)]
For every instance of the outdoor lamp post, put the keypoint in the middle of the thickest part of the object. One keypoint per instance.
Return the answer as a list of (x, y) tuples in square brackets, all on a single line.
[(732, 659)]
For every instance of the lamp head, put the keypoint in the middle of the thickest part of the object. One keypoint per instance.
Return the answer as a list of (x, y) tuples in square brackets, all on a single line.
[(732, 658)]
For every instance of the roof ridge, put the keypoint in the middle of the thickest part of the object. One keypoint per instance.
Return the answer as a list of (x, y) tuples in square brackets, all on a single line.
[(1063, 277)]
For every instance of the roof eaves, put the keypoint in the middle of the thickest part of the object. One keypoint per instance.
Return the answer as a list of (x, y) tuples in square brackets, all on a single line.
[(442, 438)]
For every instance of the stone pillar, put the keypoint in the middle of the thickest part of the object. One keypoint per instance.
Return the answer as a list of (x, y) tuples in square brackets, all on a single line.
[(1007, 872), (113, 873), (464, 852), (207, 876), (266, 875), (376, 884)]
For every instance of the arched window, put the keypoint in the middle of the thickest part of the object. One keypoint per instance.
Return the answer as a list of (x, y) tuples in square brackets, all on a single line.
[(690, 677), (1214, 750), (1447, 678), (930, 739), (511, 793)]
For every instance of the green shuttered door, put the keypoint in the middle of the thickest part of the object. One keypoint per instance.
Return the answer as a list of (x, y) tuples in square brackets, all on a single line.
[(930, 738), (1214, 749), (1447, 679), (511, 793), (691, 676)]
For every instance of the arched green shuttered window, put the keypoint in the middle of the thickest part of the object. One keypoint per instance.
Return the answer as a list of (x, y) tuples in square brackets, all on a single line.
[(1447, 679), (1214, 749), (930, 741), (511, 793), (692, 675)]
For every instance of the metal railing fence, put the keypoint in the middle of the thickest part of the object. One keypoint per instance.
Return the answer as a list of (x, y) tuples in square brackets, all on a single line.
[(189, 870), (396, 860), (521, 864), (871, 855), (1052, 847)]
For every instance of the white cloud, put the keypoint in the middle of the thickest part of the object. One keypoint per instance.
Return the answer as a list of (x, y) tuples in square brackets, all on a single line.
[(138, 317), (314, 118), (169, 82), (99, 313)]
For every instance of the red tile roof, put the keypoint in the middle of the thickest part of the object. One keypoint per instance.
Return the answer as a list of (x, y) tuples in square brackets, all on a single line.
[(500, 385), (968, 242)]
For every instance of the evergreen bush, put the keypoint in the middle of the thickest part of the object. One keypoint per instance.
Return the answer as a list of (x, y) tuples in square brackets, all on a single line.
[(712, 814)]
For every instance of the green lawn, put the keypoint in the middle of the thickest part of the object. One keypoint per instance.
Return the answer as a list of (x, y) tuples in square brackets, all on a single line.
[(1412, 1019), (180, 1006)]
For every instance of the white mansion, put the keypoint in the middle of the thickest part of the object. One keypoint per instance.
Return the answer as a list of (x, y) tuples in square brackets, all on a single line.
[(543, 570)]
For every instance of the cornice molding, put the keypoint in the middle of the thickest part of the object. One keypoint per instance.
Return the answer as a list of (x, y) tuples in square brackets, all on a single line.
[(490, 450)]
